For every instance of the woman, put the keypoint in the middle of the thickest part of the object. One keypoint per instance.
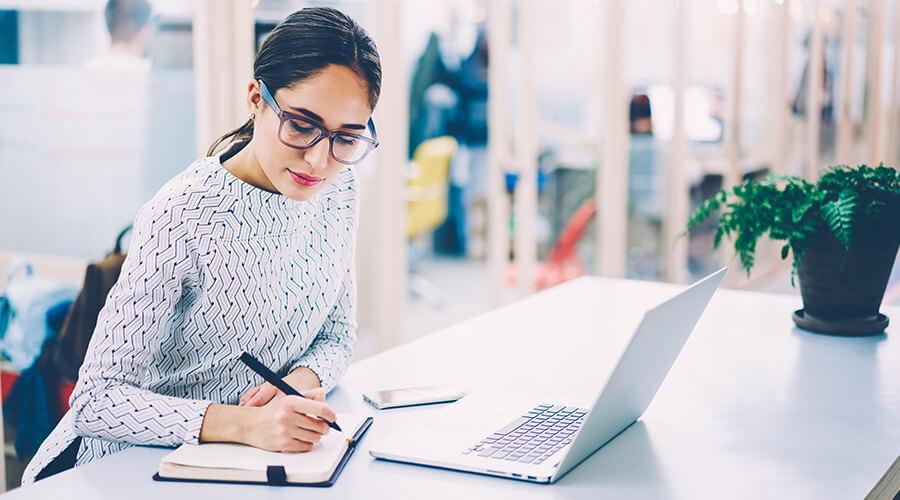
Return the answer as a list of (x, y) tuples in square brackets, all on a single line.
[(249, 249)]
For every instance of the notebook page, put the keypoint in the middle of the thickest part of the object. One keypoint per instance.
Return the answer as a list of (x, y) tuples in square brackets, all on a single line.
[(322, 458)]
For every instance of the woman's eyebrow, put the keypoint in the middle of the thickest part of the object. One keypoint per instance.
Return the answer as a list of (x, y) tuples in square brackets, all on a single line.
[(320, 120)]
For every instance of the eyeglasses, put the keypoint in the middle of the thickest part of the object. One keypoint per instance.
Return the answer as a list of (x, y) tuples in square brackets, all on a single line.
[(300, 132)]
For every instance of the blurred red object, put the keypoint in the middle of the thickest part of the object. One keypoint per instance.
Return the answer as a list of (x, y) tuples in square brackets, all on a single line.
[(8, 378), (563, 262)]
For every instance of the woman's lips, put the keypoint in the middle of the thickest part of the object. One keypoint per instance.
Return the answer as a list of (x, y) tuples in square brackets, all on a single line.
[(305, 179)]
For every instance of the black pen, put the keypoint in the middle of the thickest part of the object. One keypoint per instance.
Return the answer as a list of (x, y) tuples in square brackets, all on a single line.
[(275, 380)]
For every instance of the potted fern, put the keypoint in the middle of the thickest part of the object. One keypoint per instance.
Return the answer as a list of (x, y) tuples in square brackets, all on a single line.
[(844, 233)]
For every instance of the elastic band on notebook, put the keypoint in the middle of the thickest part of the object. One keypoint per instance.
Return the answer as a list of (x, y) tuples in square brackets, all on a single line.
[(275, 475)]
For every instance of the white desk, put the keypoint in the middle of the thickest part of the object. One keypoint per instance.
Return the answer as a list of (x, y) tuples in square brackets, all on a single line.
[(753, 407)]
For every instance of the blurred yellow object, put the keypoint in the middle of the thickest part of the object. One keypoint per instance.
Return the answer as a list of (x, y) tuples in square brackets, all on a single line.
[(427, 191), (428, 185)]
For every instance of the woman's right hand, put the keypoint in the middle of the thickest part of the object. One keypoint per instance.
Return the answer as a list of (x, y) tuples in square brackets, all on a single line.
[(290, 423)]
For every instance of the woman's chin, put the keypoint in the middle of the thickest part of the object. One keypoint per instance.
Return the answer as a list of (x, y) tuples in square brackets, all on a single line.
[(299, 193)]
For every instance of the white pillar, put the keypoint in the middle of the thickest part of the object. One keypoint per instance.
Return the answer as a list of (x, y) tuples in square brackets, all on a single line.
[(875, 102), (893, 134), (390, 193), (612, 180), (498, 146), (781, 93), (844, 146), (526, 148), (223, 66), (734, 174), (675, 221), (814, 94)]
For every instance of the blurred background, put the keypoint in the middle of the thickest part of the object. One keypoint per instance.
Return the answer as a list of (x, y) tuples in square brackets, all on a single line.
[(524, 143)]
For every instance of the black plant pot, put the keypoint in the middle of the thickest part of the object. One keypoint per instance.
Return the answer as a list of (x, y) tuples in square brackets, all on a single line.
[(842, 291)]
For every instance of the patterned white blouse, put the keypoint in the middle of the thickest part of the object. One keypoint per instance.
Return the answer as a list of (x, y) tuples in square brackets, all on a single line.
[(215, 267)]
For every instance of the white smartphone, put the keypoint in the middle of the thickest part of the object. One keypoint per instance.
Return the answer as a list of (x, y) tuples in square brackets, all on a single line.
[(412, 396)]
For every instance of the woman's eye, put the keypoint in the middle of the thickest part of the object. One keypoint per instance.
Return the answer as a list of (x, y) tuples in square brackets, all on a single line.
[(301, 129), (349, 141)]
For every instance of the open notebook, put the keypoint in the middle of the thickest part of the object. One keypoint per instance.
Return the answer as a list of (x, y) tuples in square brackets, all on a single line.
[(237, 463)]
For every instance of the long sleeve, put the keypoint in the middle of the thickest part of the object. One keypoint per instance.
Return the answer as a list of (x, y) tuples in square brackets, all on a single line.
[(329, 353), (108, 401)]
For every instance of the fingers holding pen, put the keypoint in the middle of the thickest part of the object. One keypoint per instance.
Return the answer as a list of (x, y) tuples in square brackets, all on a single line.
[(290, 423), (309, 407)]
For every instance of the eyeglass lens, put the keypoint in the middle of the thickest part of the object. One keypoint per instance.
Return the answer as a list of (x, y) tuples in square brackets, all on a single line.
[(301, 133)]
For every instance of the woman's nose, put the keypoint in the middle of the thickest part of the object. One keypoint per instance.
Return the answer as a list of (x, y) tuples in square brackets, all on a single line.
[(317, 156)]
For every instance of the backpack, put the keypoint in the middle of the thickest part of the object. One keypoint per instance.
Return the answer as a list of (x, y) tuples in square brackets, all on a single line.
[(23, 313), (78, 327)]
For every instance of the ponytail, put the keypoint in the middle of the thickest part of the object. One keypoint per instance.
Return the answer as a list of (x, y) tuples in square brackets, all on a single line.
[(241, 134)]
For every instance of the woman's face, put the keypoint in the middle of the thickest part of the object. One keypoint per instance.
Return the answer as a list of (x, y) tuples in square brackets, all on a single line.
[(339, 98)]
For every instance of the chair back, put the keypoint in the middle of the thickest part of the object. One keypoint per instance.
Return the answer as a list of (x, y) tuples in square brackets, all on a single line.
[(428, 185)]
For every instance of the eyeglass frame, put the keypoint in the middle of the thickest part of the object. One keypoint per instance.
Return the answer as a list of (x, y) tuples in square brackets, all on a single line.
[(371, 142)]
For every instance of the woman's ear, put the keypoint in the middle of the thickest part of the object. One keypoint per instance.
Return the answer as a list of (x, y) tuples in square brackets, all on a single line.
[(254, 98)]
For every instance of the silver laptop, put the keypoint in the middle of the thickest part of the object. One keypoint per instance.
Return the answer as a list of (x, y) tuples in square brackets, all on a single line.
[(524, 437)]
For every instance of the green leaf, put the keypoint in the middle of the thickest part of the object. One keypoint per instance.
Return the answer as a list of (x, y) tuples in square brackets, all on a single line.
[(839, 214), (784, 251), (799, 211)]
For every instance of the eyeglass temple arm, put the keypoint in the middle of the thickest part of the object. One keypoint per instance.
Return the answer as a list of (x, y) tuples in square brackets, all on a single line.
[(372, 127), (267, 96)]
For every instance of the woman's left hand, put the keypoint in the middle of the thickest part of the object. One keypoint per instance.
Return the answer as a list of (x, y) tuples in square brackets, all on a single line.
[(301, 379), (260, 395)]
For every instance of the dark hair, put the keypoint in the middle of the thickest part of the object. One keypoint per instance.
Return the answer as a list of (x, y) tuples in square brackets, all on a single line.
[(639, 107), (124, 18), (301, 46)]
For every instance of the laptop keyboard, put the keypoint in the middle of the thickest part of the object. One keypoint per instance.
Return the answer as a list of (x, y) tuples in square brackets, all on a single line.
[(533, 437)]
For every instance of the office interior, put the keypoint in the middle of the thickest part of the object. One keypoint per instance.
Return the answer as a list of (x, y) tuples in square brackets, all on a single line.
[(523, 143)]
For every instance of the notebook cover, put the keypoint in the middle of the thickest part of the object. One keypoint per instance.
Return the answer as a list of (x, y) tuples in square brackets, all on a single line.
[(324, 484)]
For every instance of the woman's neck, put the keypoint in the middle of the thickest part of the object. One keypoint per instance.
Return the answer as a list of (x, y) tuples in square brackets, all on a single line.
[(245, 166)]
